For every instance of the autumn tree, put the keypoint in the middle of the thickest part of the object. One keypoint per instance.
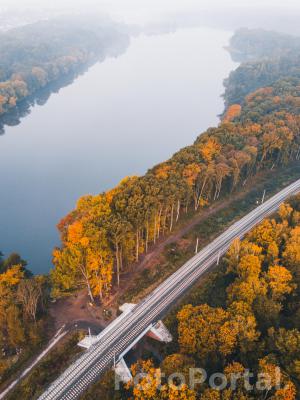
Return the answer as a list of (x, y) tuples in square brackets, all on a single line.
[(148, 384), (206, 331)]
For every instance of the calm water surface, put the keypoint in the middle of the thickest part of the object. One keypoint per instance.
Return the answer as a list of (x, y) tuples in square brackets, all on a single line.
[(120, 118)]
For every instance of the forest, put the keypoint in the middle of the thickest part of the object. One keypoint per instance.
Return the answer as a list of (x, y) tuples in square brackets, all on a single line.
[(23, 313), (256, 44), (273, 56), (107, 233), (251, 324), (246, 316), (34, 55)]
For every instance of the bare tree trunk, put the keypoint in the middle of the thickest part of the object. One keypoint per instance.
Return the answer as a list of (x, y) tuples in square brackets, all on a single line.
[(216, 192), (196, 201), (30, 293), (178, 210), (159, 221), (202, 188), (186, 206), (118, 264), (220, 188), (172, 217), (164, 218), (90, 291), (163, 223), (155, 227), (85, 275), (121, 258), (137, 246), (147, 236)]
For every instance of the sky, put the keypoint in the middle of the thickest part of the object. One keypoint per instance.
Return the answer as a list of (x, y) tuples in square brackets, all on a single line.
[(137, 11)]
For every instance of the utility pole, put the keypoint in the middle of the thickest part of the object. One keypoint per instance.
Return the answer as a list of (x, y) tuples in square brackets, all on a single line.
[(114, 360), (90, 336), (197, 243), (218, 259), (263, 196)]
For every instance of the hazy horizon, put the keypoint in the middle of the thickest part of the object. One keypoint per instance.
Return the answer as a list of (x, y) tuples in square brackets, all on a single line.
[(229, 14)]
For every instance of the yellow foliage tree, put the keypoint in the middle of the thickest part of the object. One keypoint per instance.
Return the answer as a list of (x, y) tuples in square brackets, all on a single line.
[(279, 280), (205, 330), (147, 384)]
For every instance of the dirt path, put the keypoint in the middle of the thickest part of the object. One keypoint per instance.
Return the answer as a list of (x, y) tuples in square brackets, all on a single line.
[(77, 311)]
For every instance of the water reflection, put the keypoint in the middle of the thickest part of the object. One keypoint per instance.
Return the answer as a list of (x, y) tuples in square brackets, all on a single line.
[(23, 108), (121, 117), (40, 97)]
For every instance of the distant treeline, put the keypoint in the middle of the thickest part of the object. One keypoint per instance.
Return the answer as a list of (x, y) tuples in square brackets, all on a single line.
[(35, 55), (273, 56), (256, 44)]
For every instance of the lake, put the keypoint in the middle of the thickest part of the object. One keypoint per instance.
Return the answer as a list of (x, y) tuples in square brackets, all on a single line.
[(120, 118)]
